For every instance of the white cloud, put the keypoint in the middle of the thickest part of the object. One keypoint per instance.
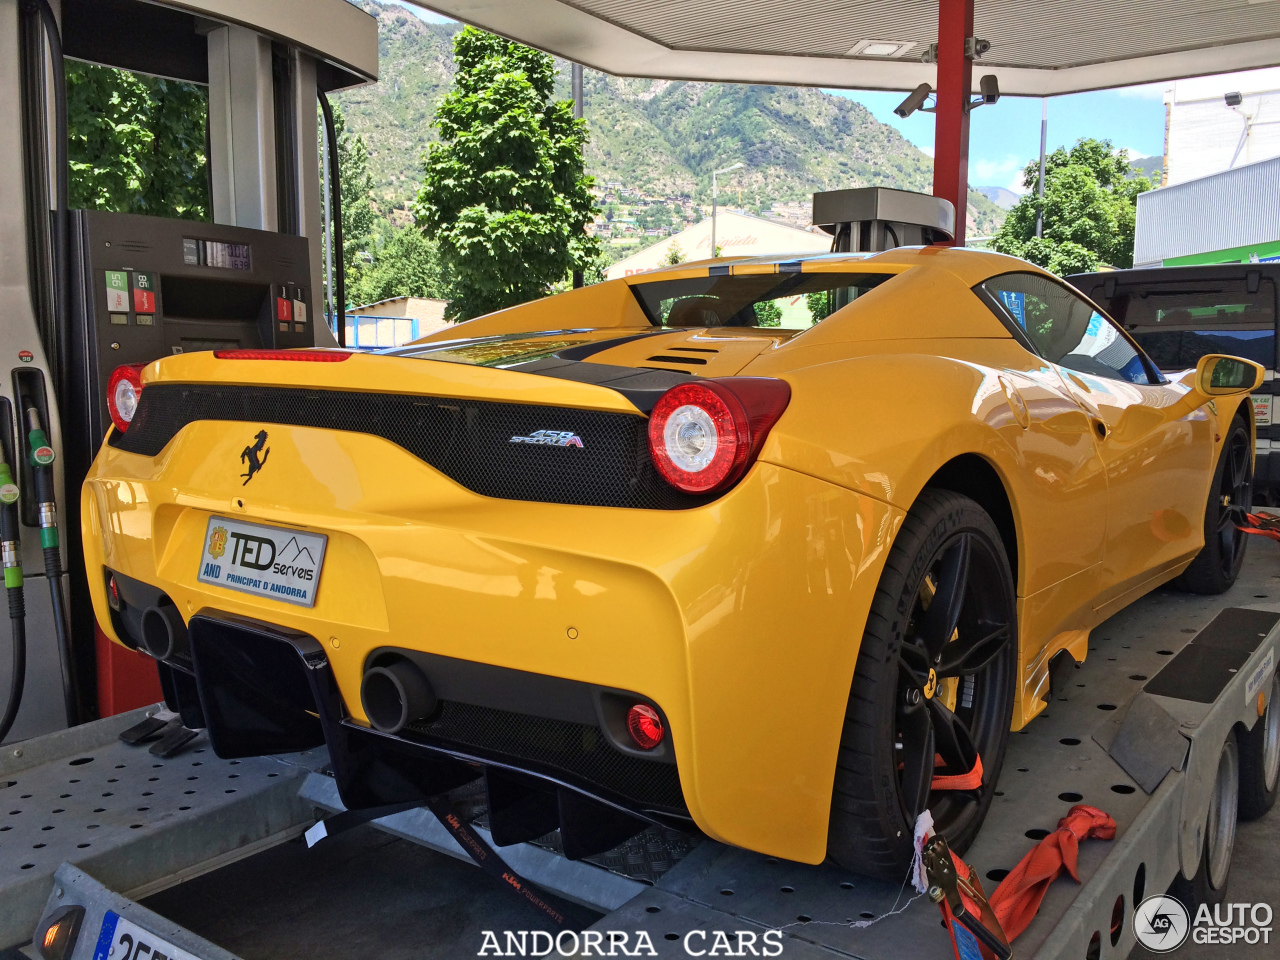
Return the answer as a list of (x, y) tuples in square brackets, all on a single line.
[(1134, 154), (927, 151), (988, 170)]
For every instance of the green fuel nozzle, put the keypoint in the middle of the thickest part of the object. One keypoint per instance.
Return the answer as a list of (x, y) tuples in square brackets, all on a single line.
[(10, 554), (42, 457)]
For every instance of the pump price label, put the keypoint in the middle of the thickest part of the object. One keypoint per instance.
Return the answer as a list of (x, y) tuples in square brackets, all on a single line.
[(272, 562), (117, 291), (144, 292)]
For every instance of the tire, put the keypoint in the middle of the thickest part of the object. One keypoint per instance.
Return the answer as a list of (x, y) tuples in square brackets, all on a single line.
[(1217, 565), (1260, 759), (1209, 885), (948, 548)]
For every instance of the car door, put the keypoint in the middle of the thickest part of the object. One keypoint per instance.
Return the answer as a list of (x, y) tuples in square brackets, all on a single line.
[(1156, 462)]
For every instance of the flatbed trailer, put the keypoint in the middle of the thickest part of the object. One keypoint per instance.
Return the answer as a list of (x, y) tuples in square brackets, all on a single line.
[(1137, 730)]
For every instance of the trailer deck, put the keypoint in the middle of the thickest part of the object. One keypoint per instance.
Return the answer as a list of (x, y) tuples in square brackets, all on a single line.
[(87, 819)]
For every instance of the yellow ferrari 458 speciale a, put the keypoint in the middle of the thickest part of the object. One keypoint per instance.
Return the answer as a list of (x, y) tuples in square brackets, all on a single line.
[(780, 549)]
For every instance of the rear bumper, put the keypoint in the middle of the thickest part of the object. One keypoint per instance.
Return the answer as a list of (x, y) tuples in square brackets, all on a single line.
[(740, 618)]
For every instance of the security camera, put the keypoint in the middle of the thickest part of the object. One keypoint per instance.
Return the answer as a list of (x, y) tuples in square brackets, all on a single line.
[(915, 101), (990, 88), (1233, 99)]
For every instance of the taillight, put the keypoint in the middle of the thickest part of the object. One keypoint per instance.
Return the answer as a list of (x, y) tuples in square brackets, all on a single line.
[(314, 356), (113, 592), (645, 726), (124, 390), (704, 435)]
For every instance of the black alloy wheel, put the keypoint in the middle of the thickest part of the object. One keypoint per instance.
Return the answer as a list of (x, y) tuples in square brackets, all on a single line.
[(1216, 567), (933, 690), (958, 628)]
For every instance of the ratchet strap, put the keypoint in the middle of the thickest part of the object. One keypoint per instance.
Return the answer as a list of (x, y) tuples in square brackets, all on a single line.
[(463, 834), (1017, 899), (961, 781), (954, 886), (1261, 524)]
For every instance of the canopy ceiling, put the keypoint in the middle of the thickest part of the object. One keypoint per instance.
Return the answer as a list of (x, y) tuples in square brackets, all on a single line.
[(1038, 47)]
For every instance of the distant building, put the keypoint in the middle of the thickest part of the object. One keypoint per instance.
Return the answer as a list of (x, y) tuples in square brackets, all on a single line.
[(1204, 134), (737, 235), (394, 322), (1228, 217)]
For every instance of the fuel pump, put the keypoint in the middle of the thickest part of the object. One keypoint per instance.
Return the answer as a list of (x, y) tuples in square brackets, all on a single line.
[(42, 457)]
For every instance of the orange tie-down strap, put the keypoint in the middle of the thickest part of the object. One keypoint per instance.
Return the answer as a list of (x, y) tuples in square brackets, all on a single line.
[(1262, 524), (1017, 899), (961, 781)]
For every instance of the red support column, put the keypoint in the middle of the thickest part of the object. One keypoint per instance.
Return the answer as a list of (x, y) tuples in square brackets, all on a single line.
[(951, 121)]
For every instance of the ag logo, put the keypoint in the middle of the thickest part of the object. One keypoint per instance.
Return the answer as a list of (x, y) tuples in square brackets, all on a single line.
[(1161, 924), (9, 493), (255, 456), (217, 542), (42, 455)]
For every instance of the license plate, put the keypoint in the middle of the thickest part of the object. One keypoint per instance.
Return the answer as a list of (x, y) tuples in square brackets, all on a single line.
[(122, 940), (272, 562), (1262, 409)]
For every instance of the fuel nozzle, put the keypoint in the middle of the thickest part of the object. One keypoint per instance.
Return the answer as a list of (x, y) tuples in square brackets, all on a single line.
[(10, 527), (42, 457)]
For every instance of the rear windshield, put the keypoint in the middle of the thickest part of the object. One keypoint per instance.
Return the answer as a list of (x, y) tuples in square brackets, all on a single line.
[(1177, 323), (790, 301)]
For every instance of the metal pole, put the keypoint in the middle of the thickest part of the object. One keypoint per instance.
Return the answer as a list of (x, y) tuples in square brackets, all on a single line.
[(951, 117), (328, 235), (1044, 138), (713, 213), (575, 83)]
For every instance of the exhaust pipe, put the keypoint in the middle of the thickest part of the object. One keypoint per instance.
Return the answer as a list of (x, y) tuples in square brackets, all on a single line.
[(396, 694), (164, 635)]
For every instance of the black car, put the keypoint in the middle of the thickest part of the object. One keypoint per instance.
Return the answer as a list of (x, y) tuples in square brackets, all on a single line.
[(1179, 314)]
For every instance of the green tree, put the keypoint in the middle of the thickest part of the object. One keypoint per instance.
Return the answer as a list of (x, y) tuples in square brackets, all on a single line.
[(504, 193), (407, 264), (358, 216), (1090, 207), (674, 255), (136, 144)]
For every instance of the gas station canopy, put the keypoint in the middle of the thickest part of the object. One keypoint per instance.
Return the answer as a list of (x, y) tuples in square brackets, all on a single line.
[(1038, 47)]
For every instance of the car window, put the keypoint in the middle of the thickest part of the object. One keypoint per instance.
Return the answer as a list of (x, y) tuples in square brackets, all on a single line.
[(1066, 330), (790, 301), (1178, 322)]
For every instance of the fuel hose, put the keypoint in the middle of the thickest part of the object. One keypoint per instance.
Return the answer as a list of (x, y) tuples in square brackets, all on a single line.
[(9, 550), (42, 457)]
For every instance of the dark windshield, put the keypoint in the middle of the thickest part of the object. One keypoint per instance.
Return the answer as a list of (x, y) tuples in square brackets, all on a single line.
[(1178, 322), (789, 301)]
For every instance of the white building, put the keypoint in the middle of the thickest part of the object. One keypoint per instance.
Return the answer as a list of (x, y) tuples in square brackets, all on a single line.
[(1205, 135), (737, 235)]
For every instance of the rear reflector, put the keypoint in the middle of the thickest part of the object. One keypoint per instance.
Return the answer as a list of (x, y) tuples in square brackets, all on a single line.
[(645, 726), (313, 356)]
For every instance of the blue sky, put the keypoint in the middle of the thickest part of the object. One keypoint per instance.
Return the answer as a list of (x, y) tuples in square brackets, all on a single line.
[(1003, 137)]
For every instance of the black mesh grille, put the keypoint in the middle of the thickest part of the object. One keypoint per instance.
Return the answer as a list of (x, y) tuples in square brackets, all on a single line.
[(578, 750), (467, 440)]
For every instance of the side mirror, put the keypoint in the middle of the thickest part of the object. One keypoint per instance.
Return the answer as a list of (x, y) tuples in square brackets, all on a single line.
[(1218, 375)]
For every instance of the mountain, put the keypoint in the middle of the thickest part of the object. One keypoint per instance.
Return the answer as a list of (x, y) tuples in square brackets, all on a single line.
[(1151, 167), (1002, 197), (657, 138)]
